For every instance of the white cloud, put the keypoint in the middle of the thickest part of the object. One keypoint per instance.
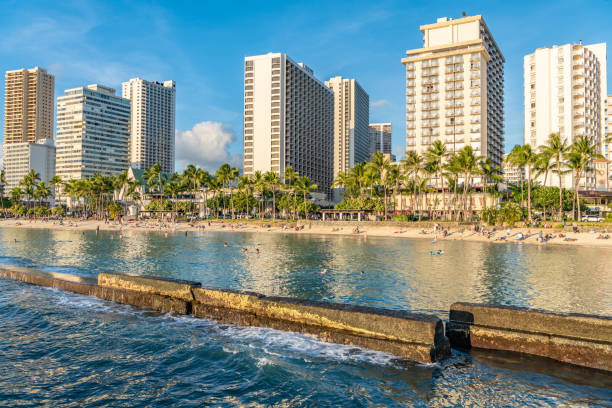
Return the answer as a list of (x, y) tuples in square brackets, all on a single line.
[(206, 145), (379, 103)]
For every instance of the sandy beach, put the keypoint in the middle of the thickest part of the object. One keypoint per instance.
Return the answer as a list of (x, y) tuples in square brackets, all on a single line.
[(502, 235)]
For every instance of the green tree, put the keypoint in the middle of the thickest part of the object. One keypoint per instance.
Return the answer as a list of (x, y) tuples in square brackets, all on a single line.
[(306, 186)]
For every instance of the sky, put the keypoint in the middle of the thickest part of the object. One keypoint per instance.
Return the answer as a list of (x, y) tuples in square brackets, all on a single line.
[(201, 45)]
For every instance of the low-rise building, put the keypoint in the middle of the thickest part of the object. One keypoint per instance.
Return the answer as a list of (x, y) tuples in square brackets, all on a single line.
[(512, 175), (20, 158)]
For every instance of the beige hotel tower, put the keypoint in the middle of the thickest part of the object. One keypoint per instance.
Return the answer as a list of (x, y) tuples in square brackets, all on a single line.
[(351, 123), (29, 105), (455, 89), (288, 119), (565, 92)]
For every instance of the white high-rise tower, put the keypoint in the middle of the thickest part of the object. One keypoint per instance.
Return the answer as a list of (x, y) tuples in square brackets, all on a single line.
[(152, 123)]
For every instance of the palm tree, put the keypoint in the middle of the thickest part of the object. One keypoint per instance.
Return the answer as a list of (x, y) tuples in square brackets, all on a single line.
[(515, 159), (16, 194), (174, 188), (489, 172), (583, 151), (437, 153), (3, 182), (42, 192), (273, 181), (203, 181), (259, 185), (56, 183), (223, 175), (381, 165), (543, 163), (454, 169), (215, 186), (156, 178), (290, 178), (557, 148), (28, 182), (529, 158), (467, 161), (413, 164), (133, 191), (233, 176), (306, 186), (393, 177), (245, 184), (190, 177)]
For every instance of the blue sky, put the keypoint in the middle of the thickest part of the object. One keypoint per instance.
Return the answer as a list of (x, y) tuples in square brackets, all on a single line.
[(201, 45)]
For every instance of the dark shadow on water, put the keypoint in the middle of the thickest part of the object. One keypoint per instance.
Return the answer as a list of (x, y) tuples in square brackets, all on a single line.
[(520, 363)]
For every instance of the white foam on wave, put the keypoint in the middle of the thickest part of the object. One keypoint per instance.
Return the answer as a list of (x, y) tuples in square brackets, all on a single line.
[(285, 344), (274, 344)]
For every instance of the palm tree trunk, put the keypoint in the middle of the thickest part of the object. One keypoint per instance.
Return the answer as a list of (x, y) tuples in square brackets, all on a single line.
[(529, 193), (560, 193)]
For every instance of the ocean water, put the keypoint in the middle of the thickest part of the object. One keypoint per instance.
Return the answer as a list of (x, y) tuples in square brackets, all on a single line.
[(61, 349)]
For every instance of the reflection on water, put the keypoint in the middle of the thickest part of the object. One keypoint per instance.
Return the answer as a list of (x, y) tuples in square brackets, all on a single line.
[(62, 349), (397, 273)]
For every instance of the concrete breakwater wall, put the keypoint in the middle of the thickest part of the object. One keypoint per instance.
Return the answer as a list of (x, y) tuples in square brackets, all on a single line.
[(584, 340), (412, 336)]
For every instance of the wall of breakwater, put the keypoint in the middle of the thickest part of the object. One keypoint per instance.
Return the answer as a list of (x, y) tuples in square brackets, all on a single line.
[(577, 339)]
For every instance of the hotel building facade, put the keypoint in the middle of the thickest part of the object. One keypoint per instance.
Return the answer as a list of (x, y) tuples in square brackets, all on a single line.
[(607, 146), (351, 120), (29, 103), (92, 132), (29, 106), (288, 119), (565, 91), (152, 123), (380, 138), (20, 158), (455, 89)]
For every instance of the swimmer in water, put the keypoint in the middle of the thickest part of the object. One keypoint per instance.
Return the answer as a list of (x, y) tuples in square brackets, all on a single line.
[(225, 244), (362, 272), (324, 271), (166, 235)]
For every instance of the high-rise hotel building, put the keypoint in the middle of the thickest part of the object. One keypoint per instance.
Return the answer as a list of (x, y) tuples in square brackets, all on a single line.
[(565, 92), (288, 119), (455, 89), (607, 145), (351, 120), (29, 104), (152, 123), (92, 132), (380, 138)]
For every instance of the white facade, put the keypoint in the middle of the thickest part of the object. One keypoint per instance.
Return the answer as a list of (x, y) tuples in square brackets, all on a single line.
[(607, 146), (512, 175), (92, 132), (455, 89), (20, 158), (564, 92), (380, 138), (152, 123), (351, 119), (288, 119)]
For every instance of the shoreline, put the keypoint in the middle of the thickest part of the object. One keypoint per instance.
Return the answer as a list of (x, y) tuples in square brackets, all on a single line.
[(585, 238)]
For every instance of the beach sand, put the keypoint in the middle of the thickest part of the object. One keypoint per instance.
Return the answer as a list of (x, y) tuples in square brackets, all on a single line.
[(586, 236)]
